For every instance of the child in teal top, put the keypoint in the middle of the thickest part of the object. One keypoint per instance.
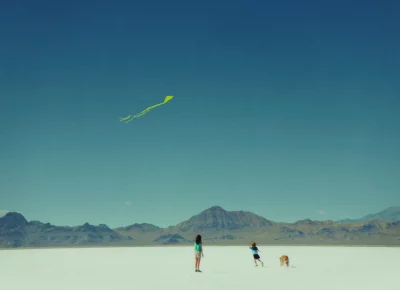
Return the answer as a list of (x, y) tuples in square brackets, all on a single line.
[(198, 252)]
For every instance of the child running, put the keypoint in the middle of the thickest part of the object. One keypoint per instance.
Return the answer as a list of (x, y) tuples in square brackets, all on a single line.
[(198, 253), (256, 257)]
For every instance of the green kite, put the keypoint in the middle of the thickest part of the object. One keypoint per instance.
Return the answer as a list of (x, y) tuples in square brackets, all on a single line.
[(130, 117)]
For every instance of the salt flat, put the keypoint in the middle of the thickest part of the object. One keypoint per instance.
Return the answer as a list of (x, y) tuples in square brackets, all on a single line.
[(224, 268)]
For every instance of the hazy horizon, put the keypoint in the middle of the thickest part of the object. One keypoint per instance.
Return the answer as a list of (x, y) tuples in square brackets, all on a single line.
[(289, 110)]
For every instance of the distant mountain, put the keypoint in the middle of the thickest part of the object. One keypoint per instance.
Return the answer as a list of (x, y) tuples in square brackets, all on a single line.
[(143, 233), (144, 227), (217, 227), (12, 220), (12, 229), (170, 239), (390, 214), (16, 231), (216, 219)]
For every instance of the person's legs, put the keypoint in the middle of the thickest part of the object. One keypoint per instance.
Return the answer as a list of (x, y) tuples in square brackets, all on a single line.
[(256, 257), (198, 263)]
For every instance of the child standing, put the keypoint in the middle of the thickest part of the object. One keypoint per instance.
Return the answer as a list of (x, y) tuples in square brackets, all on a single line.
[(255, 251), (198, 253)]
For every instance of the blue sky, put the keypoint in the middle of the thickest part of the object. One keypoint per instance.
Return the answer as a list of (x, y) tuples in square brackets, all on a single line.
[(284, 109)]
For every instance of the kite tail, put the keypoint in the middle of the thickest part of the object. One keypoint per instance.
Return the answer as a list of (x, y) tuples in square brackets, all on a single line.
[(148, 109)]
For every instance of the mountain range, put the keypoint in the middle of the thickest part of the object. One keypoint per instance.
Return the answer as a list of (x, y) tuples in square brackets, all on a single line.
[(217, 227), (390, 214)]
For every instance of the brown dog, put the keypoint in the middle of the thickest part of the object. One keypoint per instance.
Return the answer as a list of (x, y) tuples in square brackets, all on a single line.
[(284, 260)]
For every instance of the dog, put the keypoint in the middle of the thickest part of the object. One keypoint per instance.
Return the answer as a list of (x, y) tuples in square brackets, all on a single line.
[(284, 260)]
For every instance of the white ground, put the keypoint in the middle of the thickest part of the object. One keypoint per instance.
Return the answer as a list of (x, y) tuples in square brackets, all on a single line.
[(224, 268)]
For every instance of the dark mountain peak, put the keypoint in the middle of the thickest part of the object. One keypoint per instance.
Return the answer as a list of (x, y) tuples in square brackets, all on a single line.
[(13, 220), (142, 227), (13, 227), (218, 219), (103, 226), (216, 208), (86, 227)]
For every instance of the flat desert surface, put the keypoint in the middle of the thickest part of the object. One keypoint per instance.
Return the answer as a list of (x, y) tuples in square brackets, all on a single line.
[(226, 268)]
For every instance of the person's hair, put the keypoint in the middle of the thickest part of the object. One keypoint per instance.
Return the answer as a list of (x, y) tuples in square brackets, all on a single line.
[(198, 239), (253, 244)]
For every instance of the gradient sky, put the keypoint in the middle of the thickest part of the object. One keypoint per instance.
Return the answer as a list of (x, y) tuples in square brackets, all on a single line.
[(284, 109)]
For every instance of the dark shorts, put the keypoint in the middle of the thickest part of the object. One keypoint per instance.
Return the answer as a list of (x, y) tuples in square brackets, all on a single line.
[(256, 256)]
